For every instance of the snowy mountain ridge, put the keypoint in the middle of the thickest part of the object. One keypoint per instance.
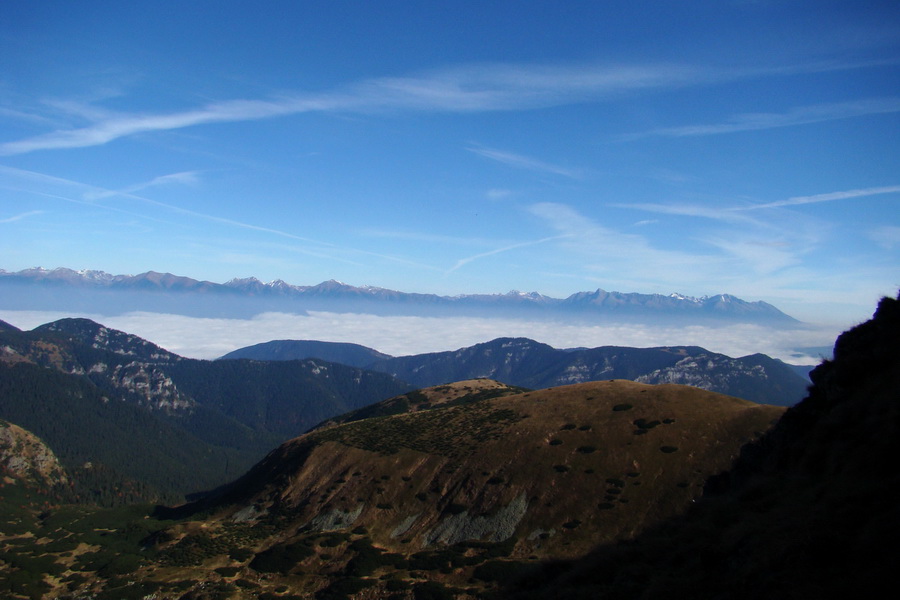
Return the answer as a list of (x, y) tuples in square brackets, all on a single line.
[(251, 295)]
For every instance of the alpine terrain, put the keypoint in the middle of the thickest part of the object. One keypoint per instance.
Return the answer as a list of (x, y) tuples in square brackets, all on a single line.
[(479, 489)]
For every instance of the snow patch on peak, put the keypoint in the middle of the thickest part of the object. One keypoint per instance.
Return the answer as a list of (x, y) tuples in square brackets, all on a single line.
[(686, 298), (94, 275), (243, 281)]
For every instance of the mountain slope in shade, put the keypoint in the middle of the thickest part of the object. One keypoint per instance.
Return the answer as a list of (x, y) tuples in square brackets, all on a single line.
[(280, 397), (65, 289), (353, 355), (171, 424), (130, 452), (812, 510), (527, 363)]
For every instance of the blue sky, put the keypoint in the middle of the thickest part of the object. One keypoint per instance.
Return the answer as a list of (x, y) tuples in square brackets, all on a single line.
[(461, 147)]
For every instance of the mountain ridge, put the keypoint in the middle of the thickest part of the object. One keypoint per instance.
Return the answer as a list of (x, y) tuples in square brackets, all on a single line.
[(183, 425), (341, 297), (519, 465), (531, 364), (354, 355)]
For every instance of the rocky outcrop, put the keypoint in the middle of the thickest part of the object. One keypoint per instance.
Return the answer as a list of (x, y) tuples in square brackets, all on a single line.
[(24, 457)]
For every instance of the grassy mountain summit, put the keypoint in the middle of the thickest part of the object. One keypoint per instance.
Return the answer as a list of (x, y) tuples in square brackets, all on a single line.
[(353, 355), (460, 392), (561, 456), (457, 483)]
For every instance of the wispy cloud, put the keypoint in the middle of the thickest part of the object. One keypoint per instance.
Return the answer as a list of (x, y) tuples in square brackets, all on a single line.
[(87, 195), (424, 236), (737, 214), (886, 236), (23, 115), (118, 126), (461, 89), (183, 178), (608, 252), (756, 256), (468, 88), (689, 260), (801, 115), (829, 197), (464, 261), (519, 161), (688, 210), (491, 87), (24, 215), (498, 194), (25, 176), (89, 192)]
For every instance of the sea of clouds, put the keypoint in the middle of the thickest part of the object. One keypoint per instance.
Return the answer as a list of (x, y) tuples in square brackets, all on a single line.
[(209, 338)]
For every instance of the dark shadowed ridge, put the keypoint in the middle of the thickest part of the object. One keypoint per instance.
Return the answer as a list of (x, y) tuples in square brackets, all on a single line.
[(526, 363), (812, 510), (353, 355)]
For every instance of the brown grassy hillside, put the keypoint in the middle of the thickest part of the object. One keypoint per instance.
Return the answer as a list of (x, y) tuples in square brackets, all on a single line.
[(533, 475), (446, 493), (584, 463), (812, 510)]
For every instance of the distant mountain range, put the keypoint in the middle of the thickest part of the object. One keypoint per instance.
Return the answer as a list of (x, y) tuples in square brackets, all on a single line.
[(526, 363), (100, 292)]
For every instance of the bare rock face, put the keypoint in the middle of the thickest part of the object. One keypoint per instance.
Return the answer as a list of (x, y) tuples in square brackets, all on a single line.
[(25, 457)]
